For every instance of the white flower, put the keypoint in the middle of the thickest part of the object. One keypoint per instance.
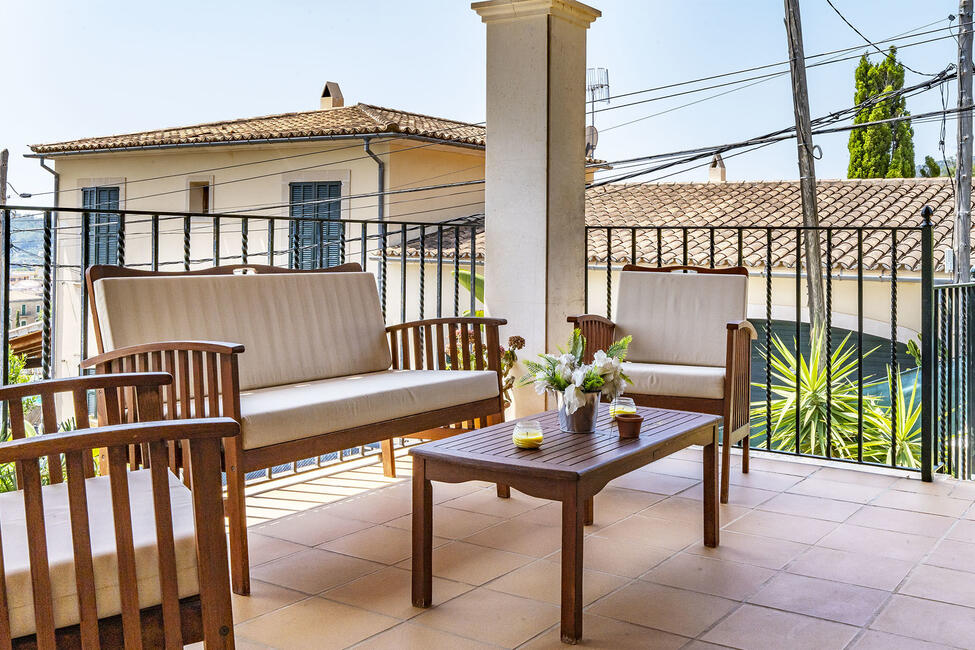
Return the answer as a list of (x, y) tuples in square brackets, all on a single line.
[(579, 376), (574, 398), (541, 385)]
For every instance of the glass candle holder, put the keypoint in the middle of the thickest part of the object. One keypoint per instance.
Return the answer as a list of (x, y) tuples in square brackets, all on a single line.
[(622, 405), (527, 434)]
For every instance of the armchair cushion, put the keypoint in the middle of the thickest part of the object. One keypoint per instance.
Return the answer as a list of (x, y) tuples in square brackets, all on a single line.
[(294, 326), (285, 413), (61, 555), (675, 380), (679, 318)]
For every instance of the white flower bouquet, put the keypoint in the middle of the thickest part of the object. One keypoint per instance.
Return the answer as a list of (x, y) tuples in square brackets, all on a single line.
[(578, 383)]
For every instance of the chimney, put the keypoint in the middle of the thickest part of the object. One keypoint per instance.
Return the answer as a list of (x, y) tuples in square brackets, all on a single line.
[(716, 171), (332, 96)]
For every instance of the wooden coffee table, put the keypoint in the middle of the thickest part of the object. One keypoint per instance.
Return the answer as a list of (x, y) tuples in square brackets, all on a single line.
[(569, 467)]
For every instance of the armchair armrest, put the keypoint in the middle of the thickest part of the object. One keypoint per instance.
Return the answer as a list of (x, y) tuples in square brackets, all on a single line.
[(452, 343), (744, 325), (215, 347)]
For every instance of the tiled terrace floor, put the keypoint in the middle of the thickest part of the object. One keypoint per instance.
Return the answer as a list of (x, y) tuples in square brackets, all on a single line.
[(811, 556)]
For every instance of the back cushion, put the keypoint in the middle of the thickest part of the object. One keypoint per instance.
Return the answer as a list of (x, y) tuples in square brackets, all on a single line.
[(294, 326), (679, 318)]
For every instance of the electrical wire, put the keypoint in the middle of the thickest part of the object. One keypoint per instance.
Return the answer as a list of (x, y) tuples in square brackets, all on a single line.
[(871, 43)]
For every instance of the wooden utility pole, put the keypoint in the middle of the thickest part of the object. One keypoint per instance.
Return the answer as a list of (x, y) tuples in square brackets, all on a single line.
[(963, 165), (807, 168), (4, 155)]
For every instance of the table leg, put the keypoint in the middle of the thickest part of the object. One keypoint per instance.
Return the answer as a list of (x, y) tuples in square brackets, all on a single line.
[(590, 512), (422, 535), (504, 491), (573, 520), (711, 523)]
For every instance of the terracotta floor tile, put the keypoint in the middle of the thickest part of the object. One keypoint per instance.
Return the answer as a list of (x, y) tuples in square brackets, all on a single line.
[(383, 544), (609, 634), (520, 537), (937, 583), (927, 620), (487, 502), (827, 489), (866, 570), (939, 486), (652, 531), (952, 554), (315, 623), (963, 490), (931, 504), (764, 480), (738, 495), (749, 549), (665, 608), (311, 527), (773, 465), (678, 467), (407, 636), (780, 526), (814, 507), (613, 504), (901, 521), (491, 616), (451, 523), (873, 640), (389, 592), (264, 598), (261, 548), (900, 546), (760, 627), (859, 477), (473, 564), (548, 515), (447, 491), (836, 601), (680, 508), (716, 577), (963, 531), (373, 507), (542, 580), (619, 557), (650, 482), (313, 571)]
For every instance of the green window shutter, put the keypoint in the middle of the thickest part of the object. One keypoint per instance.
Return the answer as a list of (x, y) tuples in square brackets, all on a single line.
[(102, 227), (315, 232)]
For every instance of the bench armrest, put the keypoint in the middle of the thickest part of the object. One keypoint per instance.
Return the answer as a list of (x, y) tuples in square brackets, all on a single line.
[(216, 347), (738, 376), (743, 325), (457, 320)]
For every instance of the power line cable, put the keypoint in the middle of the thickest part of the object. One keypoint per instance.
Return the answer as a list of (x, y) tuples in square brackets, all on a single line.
[(871, 43)]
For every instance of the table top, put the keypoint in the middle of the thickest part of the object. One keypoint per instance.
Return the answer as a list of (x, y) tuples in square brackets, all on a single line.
[(570, 455)]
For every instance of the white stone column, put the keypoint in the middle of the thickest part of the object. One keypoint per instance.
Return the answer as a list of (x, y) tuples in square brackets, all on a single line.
[(535, 170)]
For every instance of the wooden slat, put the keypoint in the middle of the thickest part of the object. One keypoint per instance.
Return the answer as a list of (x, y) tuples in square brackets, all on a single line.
[(441, 355), (452, 344), (213, 387), (183, 362), (478, 347), (428, 342), (165, 545), (199, 398), (37, 552), (393, 349), (81, 540), (465, 346), (17, 432), (127, 578), (418, 348), (50, 419), (4, 606), (170, 367), (405, 347)]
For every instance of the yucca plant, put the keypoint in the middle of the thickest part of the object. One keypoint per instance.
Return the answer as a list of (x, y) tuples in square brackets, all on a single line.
[(814, 402), (907, 416)]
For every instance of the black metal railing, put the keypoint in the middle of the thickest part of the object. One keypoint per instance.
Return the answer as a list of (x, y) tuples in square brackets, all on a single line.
[(856, 395), (954, 386), (161, 240)]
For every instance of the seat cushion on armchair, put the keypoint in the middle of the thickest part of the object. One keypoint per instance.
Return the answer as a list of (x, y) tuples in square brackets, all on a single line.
[(679, 318), (57, 521), (303, 410), (675, 380)]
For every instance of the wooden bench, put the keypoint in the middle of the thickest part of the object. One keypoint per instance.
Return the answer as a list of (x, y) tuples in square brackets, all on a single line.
[(302, 359)]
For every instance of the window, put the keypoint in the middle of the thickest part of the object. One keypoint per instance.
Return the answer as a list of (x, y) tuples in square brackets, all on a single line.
[(199, 196), (102, 227), (315, 234)]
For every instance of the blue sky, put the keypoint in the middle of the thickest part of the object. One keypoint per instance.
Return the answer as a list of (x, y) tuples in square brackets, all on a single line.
[(100, 67)]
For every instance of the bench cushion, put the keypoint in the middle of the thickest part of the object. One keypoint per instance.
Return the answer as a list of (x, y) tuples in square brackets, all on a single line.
[(679, 318), (294, 326), (61, 556), (286, 413), (675, 380)]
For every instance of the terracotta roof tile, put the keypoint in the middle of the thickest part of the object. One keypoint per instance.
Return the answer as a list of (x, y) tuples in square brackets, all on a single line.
[(876, 203), (347, 120)]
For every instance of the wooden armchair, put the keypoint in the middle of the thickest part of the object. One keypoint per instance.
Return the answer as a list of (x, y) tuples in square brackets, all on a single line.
[(691, 346), (130, 559)]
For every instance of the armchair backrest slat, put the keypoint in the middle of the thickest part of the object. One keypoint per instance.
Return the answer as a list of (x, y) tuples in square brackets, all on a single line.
[(81, 542), (124, 549), (40, 574), (165, 544)]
